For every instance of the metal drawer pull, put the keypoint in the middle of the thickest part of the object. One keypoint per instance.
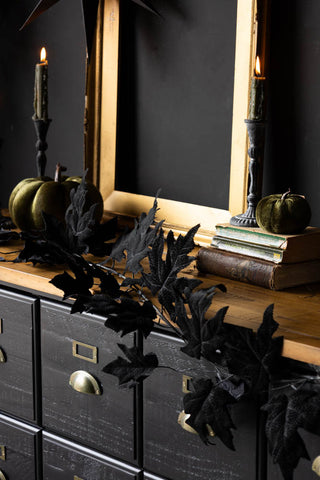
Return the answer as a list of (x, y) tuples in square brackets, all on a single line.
[(316, 465), (84, 382), (2, 476), (3, 358), (182, 420)]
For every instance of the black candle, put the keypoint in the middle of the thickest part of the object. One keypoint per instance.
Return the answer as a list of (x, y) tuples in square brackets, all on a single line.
[(41, 88), (257, 95)]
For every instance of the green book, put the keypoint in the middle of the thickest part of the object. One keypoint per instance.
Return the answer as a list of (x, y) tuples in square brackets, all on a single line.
[(255, 242)]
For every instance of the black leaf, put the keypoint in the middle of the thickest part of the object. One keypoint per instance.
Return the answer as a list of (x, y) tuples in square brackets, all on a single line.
[(5, 222), (129, 316), (134, 370), (162, 278), (203, 337), (40, 251), (80, 284), (7, 235), (286, 414), (101, 233), (55, 232), (108, 283), (71, 286), (208, 406), (253, 356), (80, 221), (138, 241)]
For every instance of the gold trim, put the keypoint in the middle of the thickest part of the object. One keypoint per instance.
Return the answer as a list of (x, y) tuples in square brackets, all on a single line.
[(92, 348), (76, 478)]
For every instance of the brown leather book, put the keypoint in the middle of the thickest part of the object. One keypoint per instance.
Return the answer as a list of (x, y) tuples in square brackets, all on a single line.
[(258, 272)]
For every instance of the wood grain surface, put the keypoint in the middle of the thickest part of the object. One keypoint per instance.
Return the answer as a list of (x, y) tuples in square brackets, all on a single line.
[(297, 310)]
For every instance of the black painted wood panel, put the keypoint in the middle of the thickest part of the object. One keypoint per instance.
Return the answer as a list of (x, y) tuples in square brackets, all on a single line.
[(174, 453), (104, 422), (150, 476), (16, 340), (63, 460), (20, 444)]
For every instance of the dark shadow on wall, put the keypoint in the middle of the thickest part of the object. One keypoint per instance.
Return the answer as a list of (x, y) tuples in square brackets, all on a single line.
[(293, 140)]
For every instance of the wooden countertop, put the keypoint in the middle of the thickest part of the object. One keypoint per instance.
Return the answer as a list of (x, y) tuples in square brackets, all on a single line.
[(297, 309)]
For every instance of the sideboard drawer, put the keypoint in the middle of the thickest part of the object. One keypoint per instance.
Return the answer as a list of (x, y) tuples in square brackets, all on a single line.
[(17, 370), (65, 460), (171, 451), (18, 450), (80, 345)]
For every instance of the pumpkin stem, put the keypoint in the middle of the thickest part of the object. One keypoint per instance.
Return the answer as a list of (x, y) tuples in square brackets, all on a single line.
[(59, 168), (284, 196)]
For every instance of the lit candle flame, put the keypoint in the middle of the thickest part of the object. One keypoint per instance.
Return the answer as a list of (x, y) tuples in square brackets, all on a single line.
[(43, 55), (258, 67)]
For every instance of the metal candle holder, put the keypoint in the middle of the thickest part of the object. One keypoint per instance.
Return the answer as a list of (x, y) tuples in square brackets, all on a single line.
[(41, 128), (256, 133)]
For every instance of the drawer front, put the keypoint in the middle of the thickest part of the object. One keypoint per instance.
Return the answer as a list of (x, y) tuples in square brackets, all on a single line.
[(171, 451), (16, 341), (18, 450), (304, 469), (73, 343), (64, 460)]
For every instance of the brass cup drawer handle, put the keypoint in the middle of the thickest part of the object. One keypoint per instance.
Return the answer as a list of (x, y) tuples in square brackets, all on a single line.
[(3, 357), (316, 465), (2, 476), (182, 420), (84, 382)]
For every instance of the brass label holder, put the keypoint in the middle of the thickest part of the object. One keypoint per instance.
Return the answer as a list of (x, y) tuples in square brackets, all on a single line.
[(2, 453), (92, 354), (186, 383)]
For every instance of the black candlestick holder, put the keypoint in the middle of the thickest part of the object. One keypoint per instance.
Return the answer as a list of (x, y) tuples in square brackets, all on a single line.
[(256, 133), (41, 128)]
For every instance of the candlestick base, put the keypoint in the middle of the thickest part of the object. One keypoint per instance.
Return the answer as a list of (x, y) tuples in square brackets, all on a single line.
[(41, 128), (256, 133), (247, 219)]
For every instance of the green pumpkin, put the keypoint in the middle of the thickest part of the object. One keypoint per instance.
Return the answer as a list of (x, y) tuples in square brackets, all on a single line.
[(32, 196), (288, 213)]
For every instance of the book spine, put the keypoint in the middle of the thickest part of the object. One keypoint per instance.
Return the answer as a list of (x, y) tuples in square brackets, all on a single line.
[(257, 251), (250, 236), (236, 267)]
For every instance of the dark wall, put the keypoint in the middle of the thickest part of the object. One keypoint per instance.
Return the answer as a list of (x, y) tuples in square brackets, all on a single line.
[(60, 30), (293, 139), (176, 96), (292, 156)]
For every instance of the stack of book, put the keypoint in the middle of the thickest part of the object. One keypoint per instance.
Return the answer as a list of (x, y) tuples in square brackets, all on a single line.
[(255, 256)]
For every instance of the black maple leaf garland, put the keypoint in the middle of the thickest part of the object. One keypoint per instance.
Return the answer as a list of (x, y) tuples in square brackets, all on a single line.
[(243, 361)]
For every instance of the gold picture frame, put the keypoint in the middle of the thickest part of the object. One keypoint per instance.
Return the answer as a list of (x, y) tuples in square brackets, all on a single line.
[(102, 91)]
